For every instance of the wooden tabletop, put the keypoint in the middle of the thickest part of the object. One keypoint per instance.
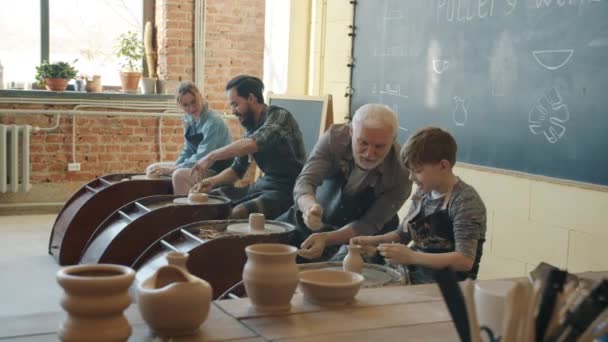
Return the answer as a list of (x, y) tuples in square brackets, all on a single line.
[(403, 313)]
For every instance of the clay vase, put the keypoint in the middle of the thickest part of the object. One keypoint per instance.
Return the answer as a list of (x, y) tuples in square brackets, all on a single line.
[(95, 297), (172, 301), (270, 276), (353, 261)]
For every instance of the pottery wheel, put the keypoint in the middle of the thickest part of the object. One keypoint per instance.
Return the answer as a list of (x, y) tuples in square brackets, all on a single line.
[(243, 228), (185, 200), (144, 177)]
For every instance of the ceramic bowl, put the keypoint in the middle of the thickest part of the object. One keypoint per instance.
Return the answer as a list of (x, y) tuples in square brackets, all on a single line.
[(329, 287)]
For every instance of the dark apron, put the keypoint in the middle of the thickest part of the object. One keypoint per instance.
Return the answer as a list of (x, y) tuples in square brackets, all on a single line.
[(436, 229), (339, 209), (195, 139)]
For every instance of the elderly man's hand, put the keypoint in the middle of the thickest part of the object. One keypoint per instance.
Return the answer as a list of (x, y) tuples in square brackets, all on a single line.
[(312, 217), (397, 253), (313, 247)]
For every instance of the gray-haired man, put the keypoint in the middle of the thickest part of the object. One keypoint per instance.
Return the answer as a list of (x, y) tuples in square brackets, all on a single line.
[(353, 184)]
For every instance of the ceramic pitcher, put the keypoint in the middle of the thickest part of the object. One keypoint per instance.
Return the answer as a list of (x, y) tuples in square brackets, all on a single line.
[(172, 301)]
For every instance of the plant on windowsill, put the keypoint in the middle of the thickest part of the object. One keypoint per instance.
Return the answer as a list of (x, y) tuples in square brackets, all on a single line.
[(130, 51), (56, 75)]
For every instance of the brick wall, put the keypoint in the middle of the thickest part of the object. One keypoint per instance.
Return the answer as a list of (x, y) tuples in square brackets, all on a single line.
[(234, 43), (103, 145)]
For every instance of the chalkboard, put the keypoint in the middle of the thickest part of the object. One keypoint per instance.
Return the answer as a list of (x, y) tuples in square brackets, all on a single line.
[(521, 84), (311, 113)]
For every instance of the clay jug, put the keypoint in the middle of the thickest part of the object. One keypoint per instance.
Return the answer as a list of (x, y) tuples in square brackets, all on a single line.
[(172, 301), (270, 276), (353, 261), (95, 297)]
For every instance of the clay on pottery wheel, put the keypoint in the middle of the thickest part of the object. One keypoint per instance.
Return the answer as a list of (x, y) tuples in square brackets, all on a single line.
[(95, 297), (257, 225), (153, 175), (198, 197), (172, 301), (353, 261), (270, 276)]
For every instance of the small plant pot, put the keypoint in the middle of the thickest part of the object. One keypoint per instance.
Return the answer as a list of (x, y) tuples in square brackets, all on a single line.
[(148, 85), (130, 81), (93, 84), (56, 84)]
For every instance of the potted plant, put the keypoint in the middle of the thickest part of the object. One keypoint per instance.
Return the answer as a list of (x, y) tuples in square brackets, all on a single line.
[(56, 75), (130, 51)]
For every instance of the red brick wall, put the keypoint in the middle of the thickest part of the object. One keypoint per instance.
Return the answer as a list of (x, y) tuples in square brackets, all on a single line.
[(234, 44), (103, 145)]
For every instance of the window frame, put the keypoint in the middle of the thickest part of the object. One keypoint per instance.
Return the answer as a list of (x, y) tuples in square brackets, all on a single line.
[(148, 15)]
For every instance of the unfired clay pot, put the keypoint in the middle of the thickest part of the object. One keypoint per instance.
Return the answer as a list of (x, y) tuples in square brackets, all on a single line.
[(270, 276), (198, 197), (172, 301), (353, 261), (95, 297)]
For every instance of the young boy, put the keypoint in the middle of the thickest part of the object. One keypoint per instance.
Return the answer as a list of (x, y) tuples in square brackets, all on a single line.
[(447, 218)]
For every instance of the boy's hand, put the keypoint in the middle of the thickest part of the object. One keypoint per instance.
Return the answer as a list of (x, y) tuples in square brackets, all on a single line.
[(313, 247), (397, 253)]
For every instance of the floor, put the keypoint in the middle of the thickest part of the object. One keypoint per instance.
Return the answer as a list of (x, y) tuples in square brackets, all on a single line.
[(27, 271)]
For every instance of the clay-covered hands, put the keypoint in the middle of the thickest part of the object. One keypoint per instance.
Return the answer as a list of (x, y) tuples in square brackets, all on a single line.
[(397, 253), (161, 170), (203, 186), (313, 247), (365, 241), (312, 217), (202, 165)]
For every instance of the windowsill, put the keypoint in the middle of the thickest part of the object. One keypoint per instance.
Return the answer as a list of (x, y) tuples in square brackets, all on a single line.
[(115, 95)]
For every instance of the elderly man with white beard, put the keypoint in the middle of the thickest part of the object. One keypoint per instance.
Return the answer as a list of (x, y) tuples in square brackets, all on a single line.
[(352, 184)]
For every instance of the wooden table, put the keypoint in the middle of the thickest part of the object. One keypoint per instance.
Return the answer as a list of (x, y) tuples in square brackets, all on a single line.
[(397, 313)]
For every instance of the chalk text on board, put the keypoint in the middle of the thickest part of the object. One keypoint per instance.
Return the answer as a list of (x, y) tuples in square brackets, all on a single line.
[(469, 10), (562, 3)]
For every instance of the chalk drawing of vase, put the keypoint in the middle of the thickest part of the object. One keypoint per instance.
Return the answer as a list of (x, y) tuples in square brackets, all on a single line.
[(460, 113)]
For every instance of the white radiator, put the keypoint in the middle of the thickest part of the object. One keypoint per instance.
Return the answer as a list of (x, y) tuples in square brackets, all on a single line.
[(14, 158)]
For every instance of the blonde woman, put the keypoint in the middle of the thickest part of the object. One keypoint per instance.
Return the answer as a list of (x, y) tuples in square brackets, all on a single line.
[(204, 131)]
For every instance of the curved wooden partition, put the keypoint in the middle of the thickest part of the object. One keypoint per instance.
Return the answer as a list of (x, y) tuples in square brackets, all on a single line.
[(218, 260), (126, 233), (92, 204)]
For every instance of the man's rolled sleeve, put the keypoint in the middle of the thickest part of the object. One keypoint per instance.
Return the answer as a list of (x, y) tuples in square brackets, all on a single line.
[(316, 169)]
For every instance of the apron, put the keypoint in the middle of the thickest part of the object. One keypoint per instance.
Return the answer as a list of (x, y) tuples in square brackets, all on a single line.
[(434, 233), (339, 209), (195, 139)]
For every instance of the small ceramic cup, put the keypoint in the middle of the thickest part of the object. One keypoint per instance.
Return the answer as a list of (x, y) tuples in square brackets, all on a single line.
[(257, 222)]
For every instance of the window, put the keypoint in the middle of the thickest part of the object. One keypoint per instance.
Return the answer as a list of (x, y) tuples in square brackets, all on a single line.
[(20, 42), (81, 30)]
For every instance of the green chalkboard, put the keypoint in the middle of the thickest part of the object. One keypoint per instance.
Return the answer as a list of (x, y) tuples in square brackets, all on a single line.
[(521, 84), (309, 111)]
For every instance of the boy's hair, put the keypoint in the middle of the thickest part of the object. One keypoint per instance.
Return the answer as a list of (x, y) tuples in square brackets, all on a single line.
[(429, 145), (245, 85)]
